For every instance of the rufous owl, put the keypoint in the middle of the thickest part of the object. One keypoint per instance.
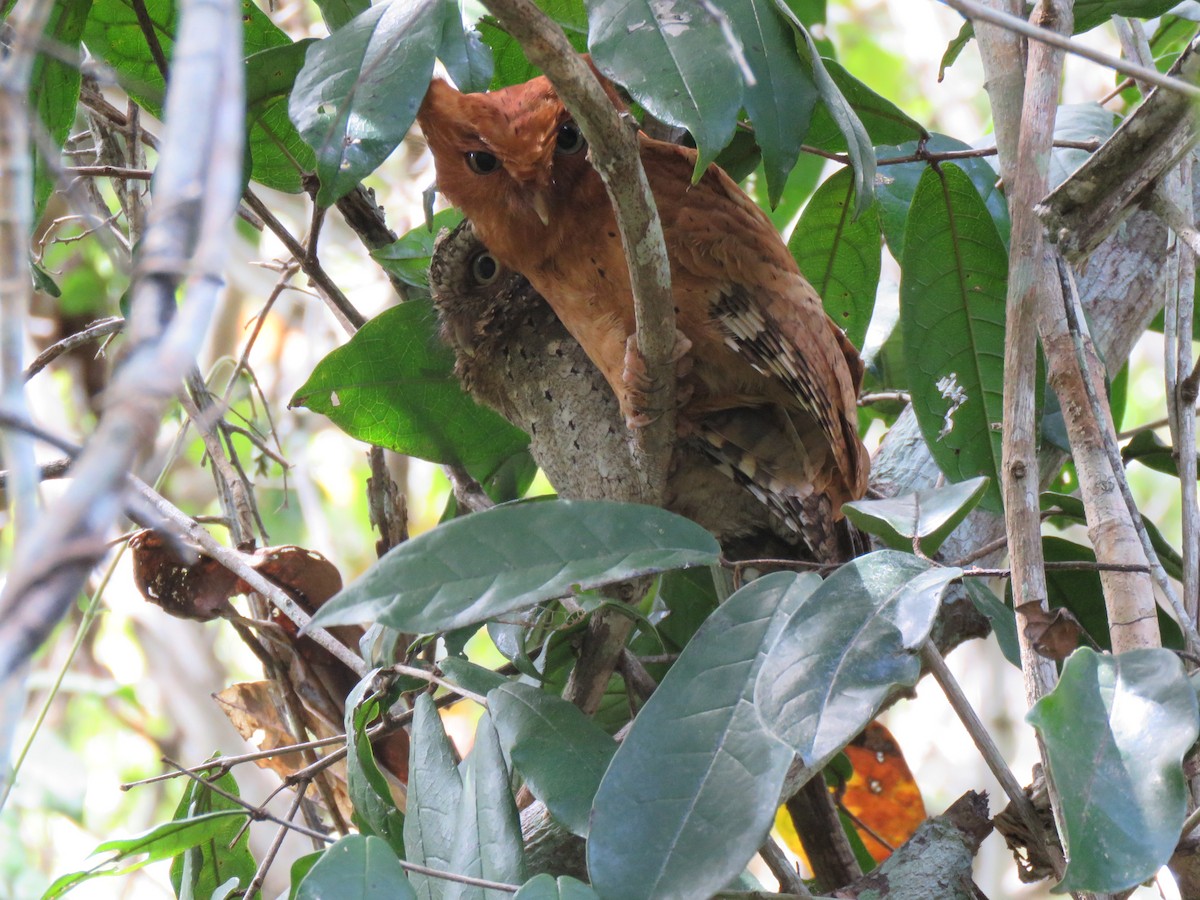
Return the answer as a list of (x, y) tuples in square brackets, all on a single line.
[(768, 381)]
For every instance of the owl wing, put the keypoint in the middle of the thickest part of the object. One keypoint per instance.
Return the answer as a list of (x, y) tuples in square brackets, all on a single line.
[(723, 245)]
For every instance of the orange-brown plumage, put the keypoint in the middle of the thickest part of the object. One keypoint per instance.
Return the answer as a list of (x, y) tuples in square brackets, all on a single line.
[(771, 384)]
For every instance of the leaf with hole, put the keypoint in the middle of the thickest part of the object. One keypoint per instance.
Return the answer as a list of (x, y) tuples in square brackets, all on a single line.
[(1115, 729)]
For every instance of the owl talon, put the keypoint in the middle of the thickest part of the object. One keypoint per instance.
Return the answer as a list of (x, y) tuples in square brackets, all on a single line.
[(639, 387)]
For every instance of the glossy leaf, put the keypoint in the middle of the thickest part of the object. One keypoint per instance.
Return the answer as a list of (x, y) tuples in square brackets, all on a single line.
[(357, 867), (1147, 448), (845, 648), (393, 384), (560, 752), (337, 13), (1077, 122), (547, 887), (678, 60), (896, 184), (840, 255), (952, 308), (690, 795), (375, 811), (883, 120), (510, 64), (513, 556), (1115, 729), (462, 51), (54, 89), (925, 516), (487, 830), (360, 88), (781, 100), (224, 857), (434, 793), (1090, 13), (999, 614), (407, 258)]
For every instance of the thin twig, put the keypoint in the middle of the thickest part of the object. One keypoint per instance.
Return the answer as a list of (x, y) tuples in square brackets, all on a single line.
[(784, 870), (98, 329), (109, 172), (260, 875), (989, 751), (977, 11)]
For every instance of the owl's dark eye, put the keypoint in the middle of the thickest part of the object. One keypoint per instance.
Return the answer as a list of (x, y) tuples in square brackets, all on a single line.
[(570, 139), (485, 269), (482, 162)]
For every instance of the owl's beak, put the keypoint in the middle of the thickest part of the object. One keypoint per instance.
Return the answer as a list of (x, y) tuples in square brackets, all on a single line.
[(541, 205)]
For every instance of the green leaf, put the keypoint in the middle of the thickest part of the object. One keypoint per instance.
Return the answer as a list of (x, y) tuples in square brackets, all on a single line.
[(560, 752), (1077, 122), (271, 73), (883, 120), (162, 842), (337, 13), (845, 648), (434, 793), (781, 100), (545, 887), (1090, 13), (374, 810), (513, 556), (464, 54), (226, 855), (300, 869), (926, 516), (1000, 615), (393, 384), (1115, 729), (487, 830), (407, 258), (54, 90), (955, 48), (952, 305), (360, 88), (1151, 451), (677, 60), (357, 867), (692, 791), (473, 677), (840, 255), (896, 184), (511, 66)]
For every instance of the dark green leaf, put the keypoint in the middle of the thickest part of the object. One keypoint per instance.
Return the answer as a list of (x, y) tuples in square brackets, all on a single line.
[(487, 830), (375, 811), (337, 13), (271, 73), (511, 66), (956, 46), (360, 88), (1151, 451), (513, 556), (801, 182), (464, 54), (783, 96), (692, 791), (840, 255), (895, 185), (676, 60), (845, 648), (1000, 615), (883, 120), (407, 258), (560, 752), (1115, 729), (1090, 13), (952, 308), (434, 793), (474, 678), (358, 867), (926, 516), (223, 857), (393, 384), (545, 887), (54, 89), (42, 281), (300, 869)]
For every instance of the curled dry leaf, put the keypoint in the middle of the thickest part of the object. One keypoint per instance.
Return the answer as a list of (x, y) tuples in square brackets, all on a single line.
[(199, 591), (1053, 633)]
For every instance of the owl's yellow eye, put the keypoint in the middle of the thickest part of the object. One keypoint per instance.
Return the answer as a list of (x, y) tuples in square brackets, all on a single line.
[(482, 162), (570, 139), (485, 269)]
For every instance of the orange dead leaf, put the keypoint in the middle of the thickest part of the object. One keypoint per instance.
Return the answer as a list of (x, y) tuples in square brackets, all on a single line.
[(882, 794)]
